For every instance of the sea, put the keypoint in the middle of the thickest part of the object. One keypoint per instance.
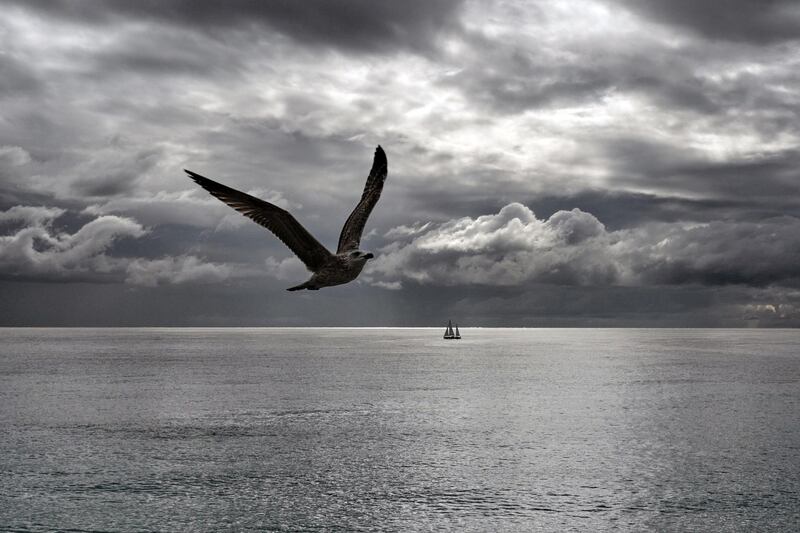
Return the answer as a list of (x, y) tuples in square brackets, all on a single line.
[(505, 430)]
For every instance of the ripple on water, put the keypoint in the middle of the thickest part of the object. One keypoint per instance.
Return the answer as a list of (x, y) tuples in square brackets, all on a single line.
[(560, 430)]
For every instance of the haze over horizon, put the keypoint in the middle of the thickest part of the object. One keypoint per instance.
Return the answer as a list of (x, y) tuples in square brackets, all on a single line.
[(551, 163)]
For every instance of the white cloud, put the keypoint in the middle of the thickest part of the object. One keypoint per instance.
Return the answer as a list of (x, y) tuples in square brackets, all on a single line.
[(32, 215), (514, 247), (289, 268), (509, 248), (38, 251), (405, 231)]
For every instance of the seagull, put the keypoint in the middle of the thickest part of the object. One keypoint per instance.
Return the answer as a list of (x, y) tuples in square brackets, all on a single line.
[(328, 269)]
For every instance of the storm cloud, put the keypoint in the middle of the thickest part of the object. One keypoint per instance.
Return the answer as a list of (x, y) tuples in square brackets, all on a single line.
[(604, 161), (757, 21), (358, 25)]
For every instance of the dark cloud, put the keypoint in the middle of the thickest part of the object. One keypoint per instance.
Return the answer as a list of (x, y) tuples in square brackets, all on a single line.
[(360, 25), (115, 176), (655, 306), (16, 79), (510, 80), (656, 146), (171, 54), (766, 176), (544, 305), (620, 210), (107, 185), (241, 304), (756, 21), (717, 253)]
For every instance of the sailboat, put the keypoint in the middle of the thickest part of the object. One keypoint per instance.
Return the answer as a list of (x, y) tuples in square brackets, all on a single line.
[(449, 333)]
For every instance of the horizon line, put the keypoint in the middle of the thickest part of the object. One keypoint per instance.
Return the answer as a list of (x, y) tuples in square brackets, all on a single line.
[(402, 327)]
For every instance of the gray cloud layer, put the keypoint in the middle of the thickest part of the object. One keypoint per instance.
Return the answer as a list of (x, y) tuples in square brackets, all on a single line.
[(656, 141), (757, 21), (357, 25)]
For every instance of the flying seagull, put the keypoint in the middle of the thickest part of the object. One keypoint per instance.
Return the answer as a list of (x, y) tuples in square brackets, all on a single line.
[(328, 269)]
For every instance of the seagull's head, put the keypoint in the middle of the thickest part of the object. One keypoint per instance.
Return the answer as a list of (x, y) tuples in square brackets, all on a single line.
[(359, 256)]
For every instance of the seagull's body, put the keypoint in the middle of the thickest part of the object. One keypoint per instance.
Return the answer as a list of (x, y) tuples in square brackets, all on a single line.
[(328, 269)]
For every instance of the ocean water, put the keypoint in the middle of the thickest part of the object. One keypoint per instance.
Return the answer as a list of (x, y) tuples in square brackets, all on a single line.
[(399, 430)]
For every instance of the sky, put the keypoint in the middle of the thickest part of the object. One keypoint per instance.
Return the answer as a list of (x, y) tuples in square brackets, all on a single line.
[(551, 163)]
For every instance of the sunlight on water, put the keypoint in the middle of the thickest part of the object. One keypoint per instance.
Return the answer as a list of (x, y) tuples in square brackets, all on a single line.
[(396, 430)]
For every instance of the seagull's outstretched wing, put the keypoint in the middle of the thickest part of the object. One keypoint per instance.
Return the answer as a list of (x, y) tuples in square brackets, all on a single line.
[(354, 227), (277, 220)]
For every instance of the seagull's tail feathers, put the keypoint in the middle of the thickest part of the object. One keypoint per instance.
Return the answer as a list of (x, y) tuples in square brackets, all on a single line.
[(305, 285)]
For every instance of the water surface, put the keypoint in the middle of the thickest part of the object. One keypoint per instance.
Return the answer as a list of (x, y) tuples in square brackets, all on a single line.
[(398, 430)]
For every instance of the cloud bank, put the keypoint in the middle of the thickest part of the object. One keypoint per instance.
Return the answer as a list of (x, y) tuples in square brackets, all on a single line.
[(33, 249), (656, 142), (515, 248)]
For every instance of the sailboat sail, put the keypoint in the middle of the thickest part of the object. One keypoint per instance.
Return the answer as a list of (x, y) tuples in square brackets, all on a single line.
[(449, 333)]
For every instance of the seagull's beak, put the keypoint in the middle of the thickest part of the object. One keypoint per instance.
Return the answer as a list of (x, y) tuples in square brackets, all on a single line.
[(368, 256)]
